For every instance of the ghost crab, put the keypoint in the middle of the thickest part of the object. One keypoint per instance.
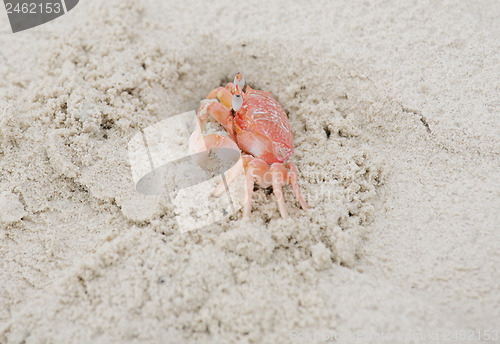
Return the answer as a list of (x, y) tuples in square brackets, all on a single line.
[(258, 126)]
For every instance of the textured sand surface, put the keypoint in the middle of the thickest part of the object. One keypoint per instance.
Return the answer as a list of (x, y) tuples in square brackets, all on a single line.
[(395, 111)]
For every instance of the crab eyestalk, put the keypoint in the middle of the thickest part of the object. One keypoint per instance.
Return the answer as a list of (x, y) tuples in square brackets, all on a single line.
[(239, 83), (237, 102)]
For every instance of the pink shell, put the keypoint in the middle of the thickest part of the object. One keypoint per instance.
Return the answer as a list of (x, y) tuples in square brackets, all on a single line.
[(269, 119)]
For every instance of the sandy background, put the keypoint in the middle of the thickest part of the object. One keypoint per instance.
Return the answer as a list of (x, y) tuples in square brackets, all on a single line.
[(395, 113)]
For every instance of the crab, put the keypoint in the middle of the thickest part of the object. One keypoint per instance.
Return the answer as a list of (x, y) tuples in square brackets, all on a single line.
[(257, 126)]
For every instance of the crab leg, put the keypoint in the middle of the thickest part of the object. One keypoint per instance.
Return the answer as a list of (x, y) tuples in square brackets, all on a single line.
[(279, 178), (276, 175), (233, 173), (255, 170), (250, 184), (292, 176)]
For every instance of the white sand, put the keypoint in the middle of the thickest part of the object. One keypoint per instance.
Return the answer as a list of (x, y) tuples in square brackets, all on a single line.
[(403, 235)]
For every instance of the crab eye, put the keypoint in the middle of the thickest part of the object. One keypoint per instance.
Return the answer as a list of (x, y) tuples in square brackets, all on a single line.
[(239, 81), (237, 102)]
